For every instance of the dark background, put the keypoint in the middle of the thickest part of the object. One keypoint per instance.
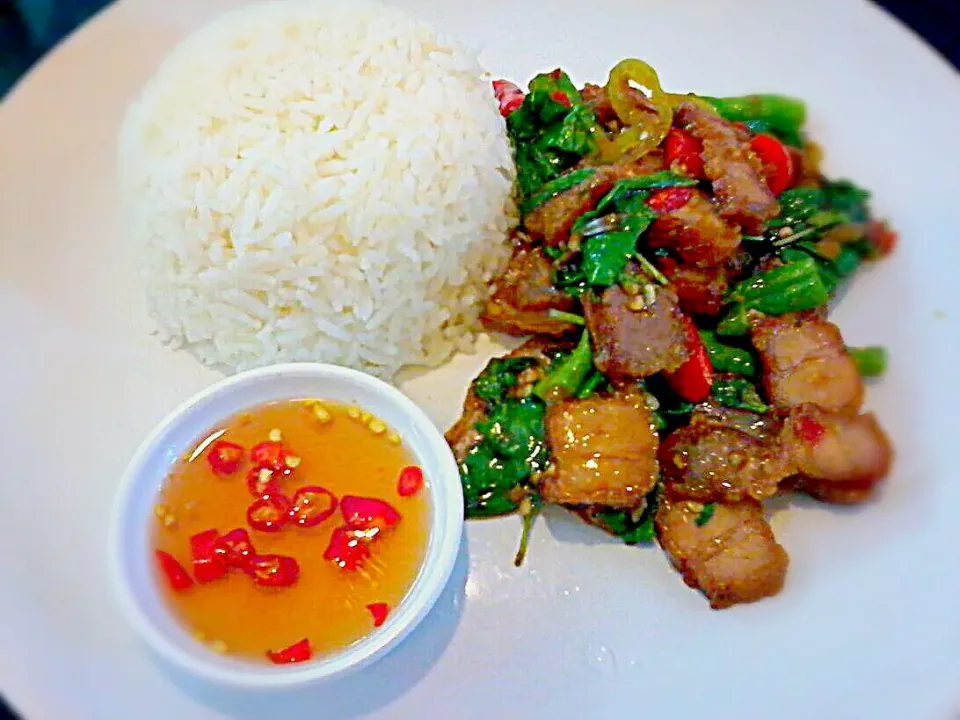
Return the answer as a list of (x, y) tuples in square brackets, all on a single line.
[(28, 28)]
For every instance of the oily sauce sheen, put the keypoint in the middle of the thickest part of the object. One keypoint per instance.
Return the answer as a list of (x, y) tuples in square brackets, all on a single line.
[(348, 455)]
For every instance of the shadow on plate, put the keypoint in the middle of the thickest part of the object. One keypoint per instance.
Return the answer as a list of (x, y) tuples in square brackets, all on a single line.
[(356, 695), (567, 527)]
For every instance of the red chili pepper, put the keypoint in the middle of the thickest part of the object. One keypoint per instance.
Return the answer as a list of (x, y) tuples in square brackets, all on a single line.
[(808, 429), (685, 150), (259, 487), (273, 570), (177, 575), (881, 238), (235, 548), (269, 513), (208, 565), (270, 455), (555, 74), (363, 513), (410, 481), (225, 457), (509, 95), (312, 505), (379, 612), (562, 98), (777, 159), (670, 199), (348, 548), (298, 652), (692, 380)]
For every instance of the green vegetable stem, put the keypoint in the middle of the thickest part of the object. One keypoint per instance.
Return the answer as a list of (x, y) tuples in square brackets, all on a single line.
[(871, 361), (782, 114), (568, 376), (792, 287), (738, 393), (726, 358)]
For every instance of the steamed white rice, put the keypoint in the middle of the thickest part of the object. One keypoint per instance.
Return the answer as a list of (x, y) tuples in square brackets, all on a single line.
[(317, 180)]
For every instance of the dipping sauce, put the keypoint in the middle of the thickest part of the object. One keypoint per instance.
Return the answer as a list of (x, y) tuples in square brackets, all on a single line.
[(253, 568)]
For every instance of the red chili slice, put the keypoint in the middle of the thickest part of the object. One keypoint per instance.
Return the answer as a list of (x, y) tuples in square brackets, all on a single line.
[(348, 548), (379, 612), (208, 565), (694, 379), (777, 159), (235, 548), (273, 570), (410, 481), (176, 574), (270, 455), (670, 199), (298, 652), (259, 487), (269, 513), (509, 95), (685, 150), (312, 505), (881, 237), (363, 513), (225, 457), (809, 430), (561, 98)]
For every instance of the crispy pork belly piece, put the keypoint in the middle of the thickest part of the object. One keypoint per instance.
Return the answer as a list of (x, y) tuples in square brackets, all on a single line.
[(729, 552)]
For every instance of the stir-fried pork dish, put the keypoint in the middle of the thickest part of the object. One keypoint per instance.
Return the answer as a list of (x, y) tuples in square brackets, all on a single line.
[(674, 262)]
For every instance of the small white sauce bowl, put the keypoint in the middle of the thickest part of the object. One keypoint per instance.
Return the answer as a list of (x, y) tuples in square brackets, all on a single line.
[(131, 552)]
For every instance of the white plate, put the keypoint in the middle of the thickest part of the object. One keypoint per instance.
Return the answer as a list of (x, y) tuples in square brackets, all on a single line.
[(867, 626)]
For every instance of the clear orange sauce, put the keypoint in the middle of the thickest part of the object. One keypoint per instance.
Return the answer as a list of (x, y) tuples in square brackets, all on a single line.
[(327, 604)]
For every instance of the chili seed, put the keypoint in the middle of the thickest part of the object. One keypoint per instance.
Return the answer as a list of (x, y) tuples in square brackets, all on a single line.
[(169, 521), (353, 413), (292, 461), (321, 413), (275, 435), (394, 438), (365, 417), (377, 427), (637, 303), (199, 635), (218, 646), (649, 294), (161, 511)]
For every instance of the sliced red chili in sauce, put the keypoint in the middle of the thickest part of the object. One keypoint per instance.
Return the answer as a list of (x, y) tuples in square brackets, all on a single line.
[(363, 513), (176, 574), (225, 457), (348, 548), (273, 570), (208, 565), (379, 611), (270, 513), (312, 505), (271, 455), (410, 481), (262, 481), (298, 652), (235, 548)]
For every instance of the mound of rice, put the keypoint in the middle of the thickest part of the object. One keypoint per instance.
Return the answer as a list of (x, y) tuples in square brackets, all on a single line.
[(317, 180)]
